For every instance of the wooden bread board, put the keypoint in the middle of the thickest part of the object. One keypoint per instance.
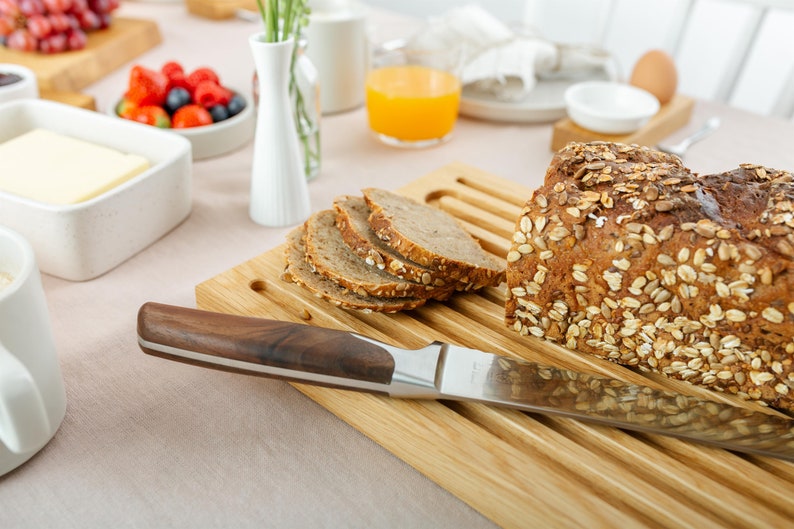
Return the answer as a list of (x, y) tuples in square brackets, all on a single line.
[(517, 469), (671, 117), (220, 9), (106, 50)]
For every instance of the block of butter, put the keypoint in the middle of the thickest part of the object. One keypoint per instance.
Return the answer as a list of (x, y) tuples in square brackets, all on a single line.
[(53, 168)]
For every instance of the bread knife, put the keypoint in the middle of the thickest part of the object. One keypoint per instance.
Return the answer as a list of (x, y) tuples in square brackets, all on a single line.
[(443, 371)]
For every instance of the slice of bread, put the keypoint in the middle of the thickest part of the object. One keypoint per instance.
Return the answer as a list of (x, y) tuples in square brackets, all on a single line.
[(331, 257), (352, 219), (432, 238), (299, 270)]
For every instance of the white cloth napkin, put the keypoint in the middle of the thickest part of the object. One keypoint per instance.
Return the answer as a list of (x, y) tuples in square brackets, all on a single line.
[(494, 53)]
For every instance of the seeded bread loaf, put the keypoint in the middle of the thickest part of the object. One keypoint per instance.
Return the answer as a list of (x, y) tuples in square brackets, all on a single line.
[(353, 222), (329, 256), (432, 238), (626, 254), (298, 270)]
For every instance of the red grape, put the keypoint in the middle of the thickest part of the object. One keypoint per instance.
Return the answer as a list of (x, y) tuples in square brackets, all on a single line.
[(59, 22), (78, 6), (53, 44), (7, 25), (52, 26), (31, 7), (88, 20), (76, 39), (21, 40), (9, 7), (39, 26), (58, 6)]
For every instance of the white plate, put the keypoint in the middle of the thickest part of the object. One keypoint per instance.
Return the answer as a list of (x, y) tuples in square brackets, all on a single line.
[(544, 103), (84, 240)]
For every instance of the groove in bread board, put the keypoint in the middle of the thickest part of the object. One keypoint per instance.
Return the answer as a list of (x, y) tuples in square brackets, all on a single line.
[(516, 468)]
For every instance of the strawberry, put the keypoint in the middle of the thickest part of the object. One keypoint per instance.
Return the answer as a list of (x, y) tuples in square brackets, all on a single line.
[(125, 107), (201, 74), (209, 93), (146, 87), (151, 115), (191, 116)]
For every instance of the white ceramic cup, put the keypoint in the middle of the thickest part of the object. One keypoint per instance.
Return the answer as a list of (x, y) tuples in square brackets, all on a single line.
[(27, 88), (338, 47), (32, 396)]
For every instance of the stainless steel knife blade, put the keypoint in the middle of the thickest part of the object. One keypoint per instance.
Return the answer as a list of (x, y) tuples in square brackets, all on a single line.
[(442, 371)]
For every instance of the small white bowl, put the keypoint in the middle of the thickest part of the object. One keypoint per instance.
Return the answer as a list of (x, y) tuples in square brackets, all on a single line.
[(609, 107), (26, 88), (84, 240), (219, 138)]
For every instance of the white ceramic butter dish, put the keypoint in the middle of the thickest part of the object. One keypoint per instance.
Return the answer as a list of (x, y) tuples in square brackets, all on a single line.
[(84, 240)]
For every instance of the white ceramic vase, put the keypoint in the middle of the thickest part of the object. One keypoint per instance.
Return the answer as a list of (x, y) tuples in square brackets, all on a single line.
[(279, 194)]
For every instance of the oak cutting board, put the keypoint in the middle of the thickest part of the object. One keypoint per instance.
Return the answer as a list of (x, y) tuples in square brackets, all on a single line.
[(517, 469)]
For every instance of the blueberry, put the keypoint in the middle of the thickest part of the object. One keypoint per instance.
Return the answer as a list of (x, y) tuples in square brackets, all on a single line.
[(218, 113), (177, 97), (236, 105)]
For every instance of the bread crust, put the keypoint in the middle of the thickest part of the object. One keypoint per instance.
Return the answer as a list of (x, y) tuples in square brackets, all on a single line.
[(299, 271), (390, 211), (625, 253), (331, 257), (362, 240)]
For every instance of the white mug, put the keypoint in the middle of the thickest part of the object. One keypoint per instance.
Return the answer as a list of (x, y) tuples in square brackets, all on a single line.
[(32, 395), (337, 46)]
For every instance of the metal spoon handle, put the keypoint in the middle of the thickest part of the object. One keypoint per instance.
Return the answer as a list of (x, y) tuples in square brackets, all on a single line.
[(708, 127)]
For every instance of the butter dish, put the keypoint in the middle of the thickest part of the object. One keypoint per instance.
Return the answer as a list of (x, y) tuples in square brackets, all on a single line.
[(84, 240)]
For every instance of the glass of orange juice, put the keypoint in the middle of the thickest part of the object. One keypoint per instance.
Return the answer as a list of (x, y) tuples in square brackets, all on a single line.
[(413, 95)]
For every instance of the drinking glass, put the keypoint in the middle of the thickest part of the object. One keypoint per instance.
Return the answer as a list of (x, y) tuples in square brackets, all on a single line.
[(413, 95)]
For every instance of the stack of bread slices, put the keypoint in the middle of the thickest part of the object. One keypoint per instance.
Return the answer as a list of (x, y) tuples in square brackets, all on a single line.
[(384, 252)]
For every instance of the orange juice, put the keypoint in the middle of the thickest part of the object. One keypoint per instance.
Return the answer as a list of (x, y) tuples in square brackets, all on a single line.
[(412, 103)]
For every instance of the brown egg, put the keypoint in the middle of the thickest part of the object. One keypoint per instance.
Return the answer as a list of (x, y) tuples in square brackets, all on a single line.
[(655, 72)]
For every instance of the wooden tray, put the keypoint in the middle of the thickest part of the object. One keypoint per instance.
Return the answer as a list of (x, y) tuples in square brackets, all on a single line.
[(106, 50), (670, 118), (220, 9), (518, 469)]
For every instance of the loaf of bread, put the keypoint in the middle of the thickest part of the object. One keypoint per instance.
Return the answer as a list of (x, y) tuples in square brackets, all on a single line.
[(361, 255), (626, 254)]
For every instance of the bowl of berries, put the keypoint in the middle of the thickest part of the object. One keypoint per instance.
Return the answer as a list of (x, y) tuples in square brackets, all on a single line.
[(196, 105)]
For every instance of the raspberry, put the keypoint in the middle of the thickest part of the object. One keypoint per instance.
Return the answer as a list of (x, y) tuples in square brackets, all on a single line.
[(209, 94), (191, 116), (176, 76), (172, 67), (201, 74), (151, 115)]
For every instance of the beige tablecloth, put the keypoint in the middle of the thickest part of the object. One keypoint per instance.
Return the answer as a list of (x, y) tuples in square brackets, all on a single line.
[(151, 443)]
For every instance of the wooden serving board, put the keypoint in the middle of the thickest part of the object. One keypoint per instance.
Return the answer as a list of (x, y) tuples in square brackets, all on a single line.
[(518, 469), (106, 50), (220, 9), (671, 117)]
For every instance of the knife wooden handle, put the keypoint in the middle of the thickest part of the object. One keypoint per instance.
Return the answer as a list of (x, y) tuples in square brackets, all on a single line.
[(165, 330)]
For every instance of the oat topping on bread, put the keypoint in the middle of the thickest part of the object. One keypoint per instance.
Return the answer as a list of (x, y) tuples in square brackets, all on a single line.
[(627, 254)]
